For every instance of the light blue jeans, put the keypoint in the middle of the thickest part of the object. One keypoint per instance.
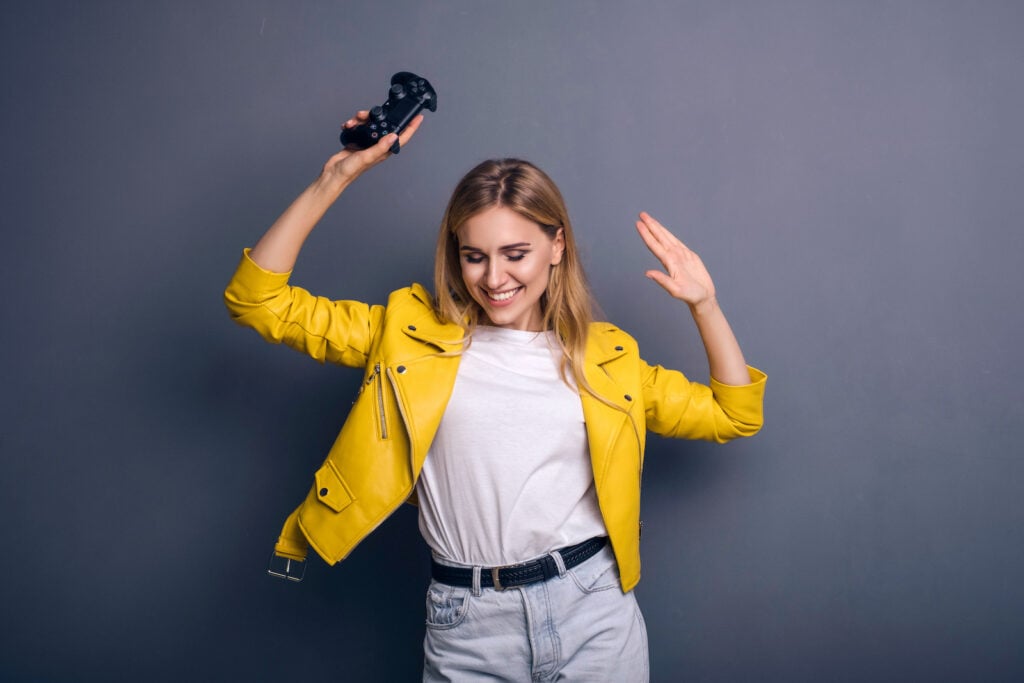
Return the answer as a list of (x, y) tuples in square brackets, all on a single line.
[(577, 626)]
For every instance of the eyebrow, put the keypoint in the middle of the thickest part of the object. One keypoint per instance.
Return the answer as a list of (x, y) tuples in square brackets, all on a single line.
[(517, 245)]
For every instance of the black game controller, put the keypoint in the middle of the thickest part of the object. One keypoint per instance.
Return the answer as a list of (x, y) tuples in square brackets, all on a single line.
[(408, 95)]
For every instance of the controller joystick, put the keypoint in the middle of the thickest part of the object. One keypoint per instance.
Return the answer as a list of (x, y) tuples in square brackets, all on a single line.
[(408, 96)]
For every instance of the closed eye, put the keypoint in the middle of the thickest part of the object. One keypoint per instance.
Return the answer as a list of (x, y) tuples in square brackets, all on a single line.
[(477, 257), (512, 252)]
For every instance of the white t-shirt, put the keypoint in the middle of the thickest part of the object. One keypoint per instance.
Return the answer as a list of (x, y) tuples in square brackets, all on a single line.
[(508, 475)]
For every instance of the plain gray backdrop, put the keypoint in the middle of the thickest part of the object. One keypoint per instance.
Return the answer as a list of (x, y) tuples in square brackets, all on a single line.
[(851, 173)]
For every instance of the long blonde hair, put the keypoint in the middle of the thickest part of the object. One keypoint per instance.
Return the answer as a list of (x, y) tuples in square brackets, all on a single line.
[(566, 305)]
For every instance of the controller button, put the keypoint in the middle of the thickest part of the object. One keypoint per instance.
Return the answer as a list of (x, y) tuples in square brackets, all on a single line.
[(374, 135), (397, 91), (377, 112)]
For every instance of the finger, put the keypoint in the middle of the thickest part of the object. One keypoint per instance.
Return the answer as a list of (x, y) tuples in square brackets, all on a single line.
[(376, 153), (382, 149), (655, 230), (655, 225), (653, 242), (649, 238), (667, 283), (411, 129), (664, 235), (361, 116)]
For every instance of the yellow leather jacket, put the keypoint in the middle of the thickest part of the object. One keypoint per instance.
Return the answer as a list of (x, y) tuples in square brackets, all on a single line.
[(410, 361)]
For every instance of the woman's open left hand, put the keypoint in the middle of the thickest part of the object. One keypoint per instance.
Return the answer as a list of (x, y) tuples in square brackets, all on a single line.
[(685, 276)]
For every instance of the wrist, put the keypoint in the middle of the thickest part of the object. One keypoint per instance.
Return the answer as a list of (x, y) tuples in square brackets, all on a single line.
[(330, 185), (704, 308)]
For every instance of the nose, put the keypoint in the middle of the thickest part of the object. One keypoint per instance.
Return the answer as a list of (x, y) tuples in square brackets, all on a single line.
[(495, 275)]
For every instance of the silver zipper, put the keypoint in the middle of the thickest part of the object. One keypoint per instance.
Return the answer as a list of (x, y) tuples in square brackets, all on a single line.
[(380, 401), (398, 402)]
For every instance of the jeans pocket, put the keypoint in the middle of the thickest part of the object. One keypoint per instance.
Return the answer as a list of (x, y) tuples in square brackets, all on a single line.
[(446, 605), (599, 573)]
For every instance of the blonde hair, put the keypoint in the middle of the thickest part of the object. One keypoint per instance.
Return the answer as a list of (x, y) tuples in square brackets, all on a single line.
[(566, 305)]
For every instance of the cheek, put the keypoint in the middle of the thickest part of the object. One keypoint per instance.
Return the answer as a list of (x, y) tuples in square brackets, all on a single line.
[(470, 272), (537, 273)]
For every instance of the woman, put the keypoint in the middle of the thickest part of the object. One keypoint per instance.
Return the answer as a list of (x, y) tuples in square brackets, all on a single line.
[(515, 422)]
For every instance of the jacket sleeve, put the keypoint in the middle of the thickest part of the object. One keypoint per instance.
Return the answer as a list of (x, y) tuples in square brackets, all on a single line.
[(679, 408), (338, 332)]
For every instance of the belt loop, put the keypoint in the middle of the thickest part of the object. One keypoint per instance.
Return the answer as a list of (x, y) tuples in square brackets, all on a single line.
[(559, 562), (476, 582)]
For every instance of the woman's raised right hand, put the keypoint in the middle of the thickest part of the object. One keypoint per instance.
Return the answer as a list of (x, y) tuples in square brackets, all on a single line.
[(277, 250), (349, 164)]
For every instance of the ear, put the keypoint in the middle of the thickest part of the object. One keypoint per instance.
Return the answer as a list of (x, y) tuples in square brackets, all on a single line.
[(557, 247)]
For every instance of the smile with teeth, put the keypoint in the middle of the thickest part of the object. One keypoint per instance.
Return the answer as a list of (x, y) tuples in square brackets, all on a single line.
[(502, 296)]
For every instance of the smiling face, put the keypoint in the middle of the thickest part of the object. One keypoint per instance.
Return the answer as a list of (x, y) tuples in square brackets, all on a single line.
[(506, 261)]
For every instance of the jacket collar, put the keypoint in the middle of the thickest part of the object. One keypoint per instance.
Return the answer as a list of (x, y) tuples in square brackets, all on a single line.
[(426, 328), (605, 343)]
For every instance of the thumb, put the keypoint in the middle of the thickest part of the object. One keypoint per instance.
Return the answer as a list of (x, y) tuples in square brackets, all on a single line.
[(661, 278)]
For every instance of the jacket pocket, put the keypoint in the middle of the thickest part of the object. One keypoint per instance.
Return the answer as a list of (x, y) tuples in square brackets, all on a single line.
[(331, 488)]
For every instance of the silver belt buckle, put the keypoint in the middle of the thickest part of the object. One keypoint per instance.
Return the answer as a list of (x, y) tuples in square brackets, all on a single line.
[(286, 568), (494, 578)]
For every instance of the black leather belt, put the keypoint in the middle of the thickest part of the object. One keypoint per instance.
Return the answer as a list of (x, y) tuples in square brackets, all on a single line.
[(533, 571)]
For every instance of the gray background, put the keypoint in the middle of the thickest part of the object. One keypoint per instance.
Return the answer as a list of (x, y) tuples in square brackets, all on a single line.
[(850, 172)]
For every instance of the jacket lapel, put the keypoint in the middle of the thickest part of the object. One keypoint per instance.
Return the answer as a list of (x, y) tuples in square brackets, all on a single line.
[(422, 365), (605, 421)]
